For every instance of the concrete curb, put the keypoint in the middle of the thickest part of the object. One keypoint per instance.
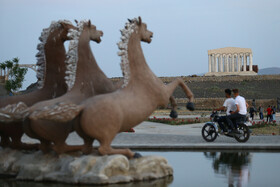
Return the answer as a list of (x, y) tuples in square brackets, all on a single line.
[(200, 147)]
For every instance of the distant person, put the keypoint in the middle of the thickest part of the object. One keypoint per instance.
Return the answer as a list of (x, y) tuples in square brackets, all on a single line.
[(273, 113), (261, 112), (229, 106), (254, 105), (268, 116), (239, 113), (252, 112)]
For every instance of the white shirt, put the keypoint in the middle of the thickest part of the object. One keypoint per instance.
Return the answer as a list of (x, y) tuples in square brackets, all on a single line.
[(240, 101), (230, 105)]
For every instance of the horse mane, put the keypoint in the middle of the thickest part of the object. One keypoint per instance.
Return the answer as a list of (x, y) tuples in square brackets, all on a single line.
[(41, 58), (129, 28), (72, 54)]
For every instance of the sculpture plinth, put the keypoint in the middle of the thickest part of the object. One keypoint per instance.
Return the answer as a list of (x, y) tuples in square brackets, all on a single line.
[(81, 169)]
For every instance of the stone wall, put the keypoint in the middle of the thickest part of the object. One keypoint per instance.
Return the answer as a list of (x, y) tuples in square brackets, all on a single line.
[(195, 78), (210, 103)]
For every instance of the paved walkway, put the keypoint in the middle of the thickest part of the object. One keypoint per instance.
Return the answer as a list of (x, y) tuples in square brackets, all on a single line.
[(149, 135)]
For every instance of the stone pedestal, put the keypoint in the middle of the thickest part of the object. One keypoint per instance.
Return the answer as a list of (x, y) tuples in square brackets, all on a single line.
[(81, 169), (241, 73)]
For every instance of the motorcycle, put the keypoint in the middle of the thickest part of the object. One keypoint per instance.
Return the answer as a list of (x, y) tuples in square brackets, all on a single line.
[(211, 130)]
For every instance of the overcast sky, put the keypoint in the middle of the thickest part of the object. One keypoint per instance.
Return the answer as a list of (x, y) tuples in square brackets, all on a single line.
[(183, 30)]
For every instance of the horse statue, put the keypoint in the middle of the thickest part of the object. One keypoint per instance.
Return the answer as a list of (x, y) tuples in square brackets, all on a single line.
[(103, 116), (51, 84), (85, 79)]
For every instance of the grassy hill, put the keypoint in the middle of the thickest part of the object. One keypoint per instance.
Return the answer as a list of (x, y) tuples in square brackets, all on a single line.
[(251, 87)]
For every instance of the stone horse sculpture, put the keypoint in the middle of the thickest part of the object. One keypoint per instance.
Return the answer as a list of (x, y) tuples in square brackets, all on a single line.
[(50, 74), (85, 79), (103, 116)]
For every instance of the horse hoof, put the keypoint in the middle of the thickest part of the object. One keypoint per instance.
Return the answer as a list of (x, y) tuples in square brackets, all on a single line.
[(137, 155), (190, 106), (173, 114)]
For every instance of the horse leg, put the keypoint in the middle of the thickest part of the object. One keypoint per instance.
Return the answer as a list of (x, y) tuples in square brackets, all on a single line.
[(173, 113), (62, 147), (179, 82), (5, 141), (45, 146), (106, 149), (18, 144), (87, 140), (87, 147)]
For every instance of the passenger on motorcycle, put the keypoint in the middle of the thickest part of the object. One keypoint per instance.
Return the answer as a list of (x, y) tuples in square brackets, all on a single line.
[(229, 106), (239, 113)]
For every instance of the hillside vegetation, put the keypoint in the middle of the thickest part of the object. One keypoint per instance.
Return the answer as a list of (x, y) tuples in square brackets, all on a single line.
[(251, 87)]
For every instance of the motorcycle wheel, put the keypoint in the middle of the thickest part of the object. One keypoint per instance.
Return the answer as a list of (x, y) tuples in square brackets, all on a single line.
[(209, 133), (245, 133)]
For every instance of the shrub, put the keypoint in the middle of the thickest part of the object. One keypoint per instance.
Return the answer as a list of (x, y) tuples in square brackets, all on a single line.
[(263, 123), (15, 74), (177, 121)]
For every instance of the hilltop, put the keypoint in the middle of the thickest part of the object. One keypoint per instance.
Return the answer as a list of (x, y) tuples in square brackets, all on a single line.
[(269, 71)]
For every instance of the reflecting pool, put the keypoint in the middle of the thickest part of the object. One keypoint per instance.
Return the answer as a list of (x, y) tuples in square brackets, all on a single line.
[(202, 169)]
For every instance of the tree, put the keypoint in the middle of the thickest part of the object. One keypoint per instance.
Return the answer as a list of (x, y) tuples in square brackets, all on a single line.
[(15, 74)]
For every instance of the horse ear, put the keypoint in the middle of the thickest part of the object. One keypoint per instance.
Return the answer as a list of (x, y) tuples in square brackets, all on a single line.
[(76, 21), (130, 21), (139, 20), (89, 23)]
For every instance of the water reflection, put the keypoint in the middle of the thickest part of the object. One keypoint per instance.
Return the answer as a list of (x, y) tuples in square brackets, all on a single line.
[(233, 165), (164, 182)]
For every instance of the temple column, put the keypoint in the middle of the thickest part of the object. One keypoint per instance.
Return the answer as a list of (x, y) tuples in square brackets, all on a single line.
[(229, 63), (244, 62), (215, 63), (226, 64), (251, 62), (209, 63), (232, 63), (238, 62), (220, 63)]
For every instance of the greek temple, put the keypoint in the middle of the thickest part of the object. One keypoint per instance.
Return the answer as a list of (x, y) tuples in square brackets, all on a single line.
[(230, 61)]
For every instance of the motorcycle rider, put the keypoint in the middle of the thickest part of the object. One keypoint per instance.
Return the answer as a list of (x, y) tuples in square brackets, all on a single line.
[(240, 112), (229, 106)]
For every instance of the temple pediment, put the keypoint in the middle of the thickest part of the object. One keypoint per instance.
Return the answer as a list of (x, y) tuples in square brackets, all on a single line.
[(229, 50)]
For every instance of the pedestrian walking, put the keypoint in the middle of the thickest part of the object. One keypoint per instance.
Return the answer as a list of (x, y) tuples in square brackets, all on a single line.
[(273, 113), (261, 112), (268, 116)]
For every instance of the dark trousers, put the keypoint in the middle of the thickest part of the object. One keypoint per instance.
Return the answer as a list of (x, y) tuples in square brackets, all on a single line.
[(221, 122), (234, 117), (261, 115), (270, 118), (252, 116)]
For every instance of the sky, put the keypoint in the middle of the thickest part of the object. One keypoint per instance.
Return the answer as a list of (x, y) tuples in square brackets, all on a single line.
[(184, 30)]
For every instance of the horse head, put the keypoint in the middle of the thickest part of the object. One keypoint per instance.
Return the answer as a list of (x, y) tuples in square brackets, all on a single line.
[(93, 33), (64, 30), (144, 33)]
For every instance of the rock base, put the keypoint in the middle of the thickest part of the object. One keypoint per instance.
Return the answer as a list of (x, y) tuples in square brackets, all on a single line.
[(81, 169)]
